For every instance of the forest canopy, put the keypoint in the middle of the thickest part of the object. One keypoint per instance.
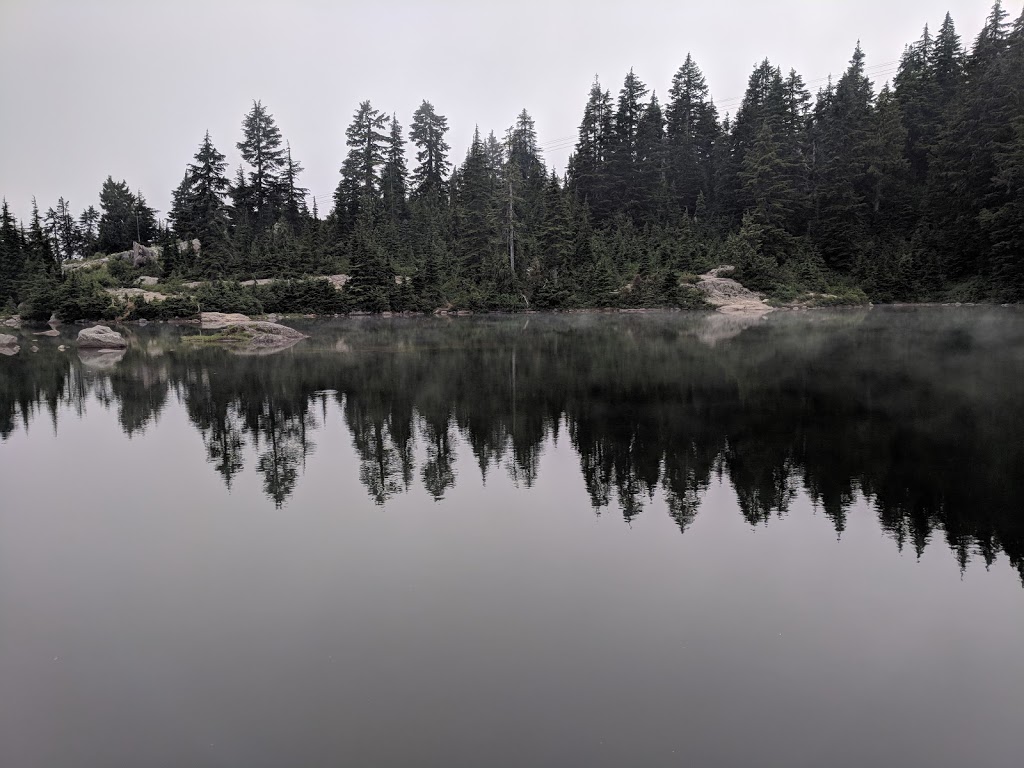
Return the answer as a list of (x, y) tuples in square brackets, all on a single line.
[(912, 191)]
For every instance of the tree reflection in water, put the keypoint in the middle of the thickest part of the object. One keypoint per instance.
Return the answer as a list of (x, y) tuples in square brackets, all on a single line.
[(916, 410)]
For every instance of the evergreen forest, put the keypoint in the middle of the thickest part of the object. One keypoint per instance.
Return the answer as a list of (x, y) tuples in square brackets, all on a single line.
[(911, 191)]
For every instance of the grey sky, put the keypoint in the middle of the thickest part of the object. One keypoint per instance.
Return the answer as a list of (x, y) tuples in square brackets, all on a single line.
[(127, 87)]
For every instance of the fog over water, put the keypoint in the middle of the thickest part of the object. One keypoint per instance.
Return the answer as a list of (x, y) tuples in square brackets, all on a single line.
[(522, 540)]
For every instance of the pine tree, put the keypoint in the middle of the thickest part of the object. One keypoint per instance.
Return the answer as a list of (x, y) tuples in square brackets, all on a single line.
[(918, 96), (199, 206), (427, 133), (764, 177), (763, 102), (588, 171), (372, 279), (844, 188), (651, 201), (38, 248), (991, 41), (552, 269), (474, 204), (623, 151), (394, 176), (242, 213), (145, 220), (261, 147), (88, 222), (979, 126), (1002, 216), (691, 130), (522, 152), (117, 222), (522, 177), (293, 196), (63, 231), (360, 173), (947, 63), (795, 142), (888, 169), (179, 214), (12, 257)]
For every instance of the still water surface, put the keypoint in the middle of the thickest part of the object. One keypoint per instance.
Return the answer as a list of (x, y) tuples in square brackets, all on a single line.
[(654, 540)]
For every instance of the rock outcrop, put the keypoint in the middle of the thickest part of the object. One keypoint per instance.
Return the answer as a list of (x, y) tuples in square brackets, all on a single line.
[(100, 337), (8, 344), (218, 321), (338, 281), (729, 296), (250, 336), (126, 294)]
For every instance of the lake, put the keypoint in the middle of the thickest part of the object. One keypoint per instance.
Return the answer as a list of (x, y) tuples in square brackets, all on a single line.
[(657, 539)]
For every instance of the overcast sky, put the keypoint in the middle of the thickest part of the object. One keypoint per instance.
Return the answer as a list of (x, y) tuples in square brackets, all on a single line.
[(128, 87)]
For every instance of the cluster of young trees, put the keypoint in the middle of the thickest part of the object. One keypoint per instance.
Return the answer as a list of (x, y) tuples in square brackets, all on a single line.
[(914, 191)]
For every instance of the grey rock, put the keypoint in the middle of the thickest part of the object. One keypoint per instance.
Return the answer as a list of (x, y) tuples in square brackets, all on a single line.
[(216, 321), (6, 340), (274, 330), (100, 337), (338, 281), (728, 295), (264, 337)]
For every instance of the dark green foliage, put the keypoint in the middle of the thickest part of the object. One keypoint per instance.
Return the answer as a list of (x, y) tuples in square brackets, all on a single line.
[(173, 307), (302, 296), (261, 149), (394, 175), (909, 192), (293, 196), (427, 133), (72, 297), (125, 219), (88, 232), (226, 296), (12, 256), (372, 278), (589, 173), (844, 152), (199, 208), (360, 185), (692, 130)]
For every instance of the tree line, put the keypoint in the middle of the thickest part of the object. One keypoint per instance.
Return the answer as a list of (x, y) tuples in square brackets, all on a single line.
[(914, 191)]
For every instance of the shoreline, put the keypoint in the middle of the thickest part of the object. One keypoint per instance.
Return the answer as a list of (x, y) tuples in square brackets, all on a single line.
[(14, 323)]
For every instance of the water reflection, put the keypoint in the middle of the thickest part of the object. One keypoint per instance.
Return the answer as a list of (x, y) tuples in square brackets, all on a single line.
[(917, 410)]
